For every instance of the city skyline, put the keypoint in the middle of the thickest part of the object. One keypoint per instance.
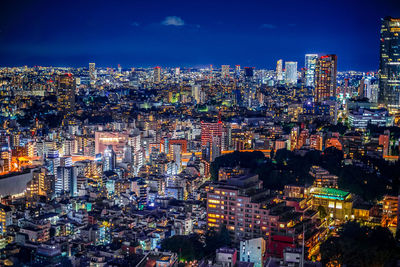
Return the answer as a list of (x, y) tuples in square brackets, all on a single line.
[(200, 134), (191, 35)]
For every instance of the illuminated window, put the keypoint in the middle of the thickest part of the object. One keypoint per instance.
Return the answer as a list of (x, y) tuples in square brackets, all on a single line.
[(331, 204), (339, 205)]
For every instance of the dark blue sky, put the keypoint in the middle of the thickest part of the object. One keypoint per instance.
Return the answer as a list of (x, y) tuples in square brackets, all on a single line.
[(190, 33)]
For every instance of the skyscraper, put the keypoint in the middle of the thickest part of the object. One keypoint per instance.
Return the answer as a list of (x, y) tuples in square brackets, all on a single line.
[(237, 71), (196, 90), (325, 78), (279, 73), (290, 72), (389, 67), (92, 73), (225, 71), (157, 75), (249, 72), (52, 161), (310, 63), (66, 93), (109, 159), (67, 180), (211, 139)]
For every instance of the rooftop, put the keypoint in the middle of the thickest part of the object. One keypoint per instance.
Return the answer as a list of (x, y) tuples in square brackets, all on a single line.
[(329, 193)]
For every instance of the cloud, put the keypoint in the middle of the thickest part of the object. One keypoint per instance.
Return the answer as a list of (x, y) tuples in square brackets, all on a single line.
[(173, 21), (268, 26), (135, 24)]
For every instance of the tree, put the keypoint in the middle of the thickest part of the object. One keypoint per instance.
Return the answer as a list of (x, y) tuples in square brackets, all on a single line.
[(188, 247), (243, 159), (217, 239), (358, 245)]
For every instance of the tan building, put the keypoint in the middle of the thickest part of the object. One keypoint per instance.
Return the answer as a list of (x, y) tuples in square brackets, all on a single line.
[(338, 204)]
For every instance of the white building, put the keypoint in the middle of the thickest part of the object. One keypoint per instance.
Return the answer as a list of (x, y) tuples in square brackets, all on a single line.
[(253, 250), (310, 63), (291, 72)]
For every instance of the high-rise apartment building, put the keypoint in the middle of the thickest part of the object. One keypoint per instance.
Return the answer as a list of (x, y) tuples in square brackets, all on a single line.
[(5, 158), (196, 90), (92, 73), (211, 139), (237, 71), (310, 63), (325, 78), (66, 93), (389, 67), (157, 75), (109, 159), (290, 72), (248, 72), (279, 70), (225, 71), (67, 180)]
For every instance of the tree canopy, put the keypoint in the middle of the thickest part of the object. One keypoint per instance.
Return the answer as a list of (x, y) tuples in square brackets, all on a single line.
[(288, 167), (358, 245)]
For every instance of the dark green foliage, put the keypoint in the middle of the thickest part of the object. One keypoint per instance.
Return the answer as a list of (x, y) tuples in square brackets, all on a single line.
[(217, 239), (291, 168), (340, 128), (243, 159), (360, 246), (188, 247)]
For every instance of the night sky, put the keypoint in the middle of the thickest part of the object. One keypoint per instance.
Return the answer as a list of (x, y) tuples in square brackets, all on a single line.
[(190, 33)]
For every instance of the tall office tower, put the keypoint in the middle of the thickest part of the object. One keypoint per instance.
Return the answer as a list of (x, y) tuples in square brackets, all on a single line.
[(237, 71), (52, 161), (225, 71), (310, 63), (92, 73), (211, 139), (67, 180), (196, 90), (361, 89), (389, 68), (325, 78), (368, 88), (279, 71), (177, 156), (119, 68), (157, 75), (66, 93), (177, 71), (291, 72), (109, 159), (248, 72), (134, 142)]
